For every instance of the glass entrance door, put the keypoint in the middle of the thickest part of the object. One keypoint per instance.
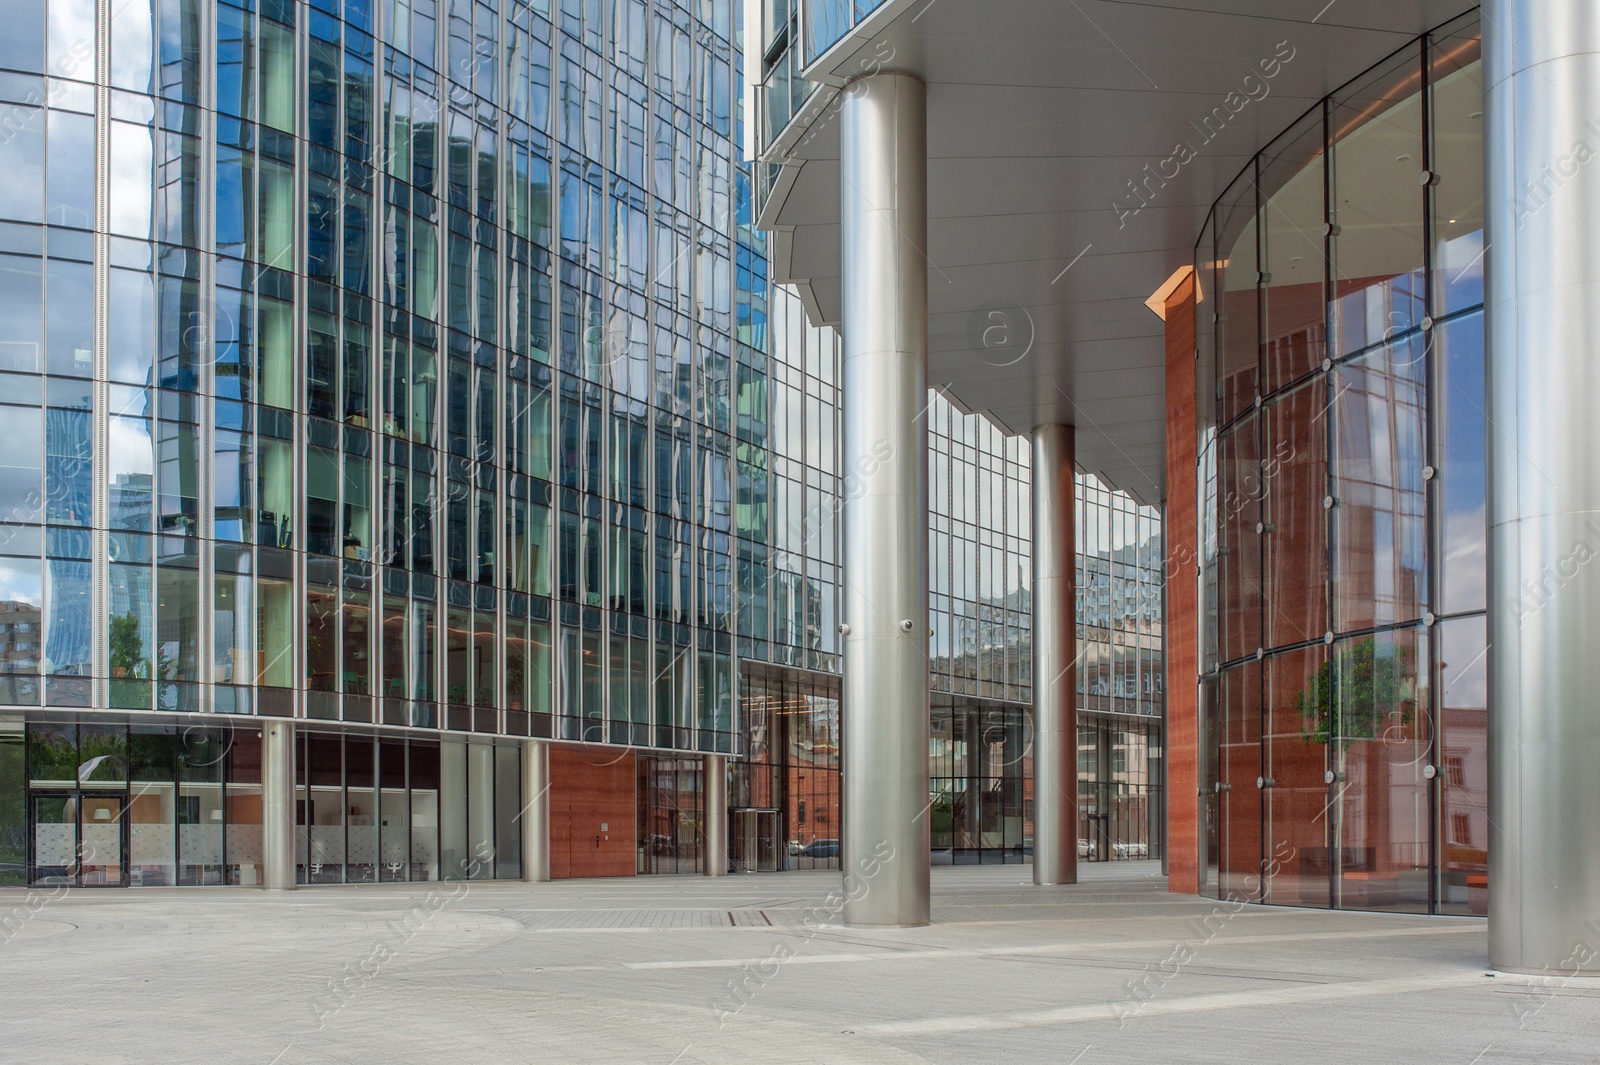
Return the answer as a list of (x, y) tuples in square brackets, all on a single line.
[(79, 839), (754, 840), (102, 835)]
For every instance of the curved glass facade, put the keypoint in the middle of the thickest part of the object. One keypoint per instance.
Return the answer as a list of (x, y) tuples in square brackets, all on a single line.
[(1342, 500)]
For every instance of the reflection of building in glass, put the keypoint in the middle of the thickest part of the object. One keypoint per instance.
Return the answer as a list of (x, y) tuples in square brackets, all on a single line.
[(416, 385), (980, 601), (1121, 671), (20, 637)]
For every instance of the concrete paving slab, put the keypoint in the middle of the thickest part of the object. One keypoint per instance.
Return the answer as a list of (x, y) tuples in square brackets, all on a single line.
[(678, 970)]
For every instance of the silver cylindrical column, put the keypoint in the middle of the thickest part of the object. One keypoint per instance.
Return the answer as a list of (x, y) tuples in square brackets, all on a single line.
[(716, 815), (1055, 655), (277, 805), (535, 811), (884, 392), (1542, 96)]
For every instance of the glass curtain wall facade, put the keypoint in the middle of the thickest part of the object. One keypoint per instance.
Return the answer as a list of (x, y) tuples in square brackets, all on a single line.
[(1342, 500), (980, 585), (375, 364), (1121, 676)]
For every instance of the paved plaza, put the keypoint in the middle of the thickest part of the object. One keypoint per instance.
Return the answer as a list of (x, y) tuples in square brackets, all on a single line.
[(755, 969)]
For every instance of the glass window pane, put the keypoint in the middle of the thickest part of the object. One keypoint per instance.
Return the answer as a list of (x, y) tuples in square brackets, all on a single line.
[(1456, 108), (243, 818), (424, 770), (1239, 756), (21, 606), (1377, 709), (322, 639), (1463, 752), (1294, 261), (1292, 484), (69, 626), (1380, 568), (132, 343), (394, 812), (69, 465), (21, 310), (69, 297), (233, 618), (1238, 342), (275, 629), (1378, 206), (1461, 481), (1295, 744), (71, 165), (22, 463), (361, 804), (356, 623), (22, 155), (13, 805), (1240, 605)]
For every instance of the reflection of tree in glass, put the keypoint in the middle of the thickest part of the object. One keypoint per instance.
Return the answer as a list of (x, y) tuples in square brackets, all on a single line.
[(127, 648), (942, 821), (1372, 689)]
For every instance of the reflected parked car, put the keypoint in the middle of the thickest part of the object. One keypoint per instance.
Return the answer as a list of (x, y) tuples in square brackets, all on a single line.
[(821, 848), (1086, 847), (1131, 849)]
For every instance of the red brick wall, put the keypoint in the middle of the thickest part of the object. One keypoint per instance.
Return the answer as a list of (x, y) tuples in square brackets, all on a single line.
[(591, 787), (1181, 628)]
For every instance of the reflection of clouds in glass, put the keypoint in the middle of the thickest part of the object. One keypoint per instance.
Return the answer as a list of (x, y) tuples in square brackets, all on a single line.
[(20, 582), (134, 31), (132, 167), (1464, 663), (1464, 565), (130, 450), (72, 37)]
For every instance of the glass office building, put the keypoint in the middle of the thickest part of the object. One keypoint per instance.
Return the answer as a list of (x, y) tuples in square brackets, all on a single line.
[(412, 371), (371, 365), (1342, 500)]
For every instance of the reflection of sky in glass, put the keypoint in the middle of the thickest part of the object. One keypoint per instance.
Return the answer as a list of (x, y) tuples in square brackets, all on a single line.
[(132, 162), (131, 451), (20, 582), (1463, 484)]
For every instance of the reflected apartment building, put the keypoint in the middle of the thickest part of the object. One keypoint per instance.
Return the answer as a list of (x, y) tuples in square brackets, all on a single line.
[(409, 374)]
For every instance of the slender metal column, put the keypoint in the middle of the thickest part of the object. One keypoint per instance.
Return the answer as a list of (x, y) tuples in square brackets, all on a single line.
[(535, 811), (884, 163), (1055, 655), (716, 815), (1542, 96), (277, 805)]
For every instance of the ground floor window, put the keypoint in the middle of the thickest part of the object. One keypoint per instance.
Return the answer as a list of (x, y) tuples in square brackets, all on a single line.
[(105, 803), (784, 793)]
